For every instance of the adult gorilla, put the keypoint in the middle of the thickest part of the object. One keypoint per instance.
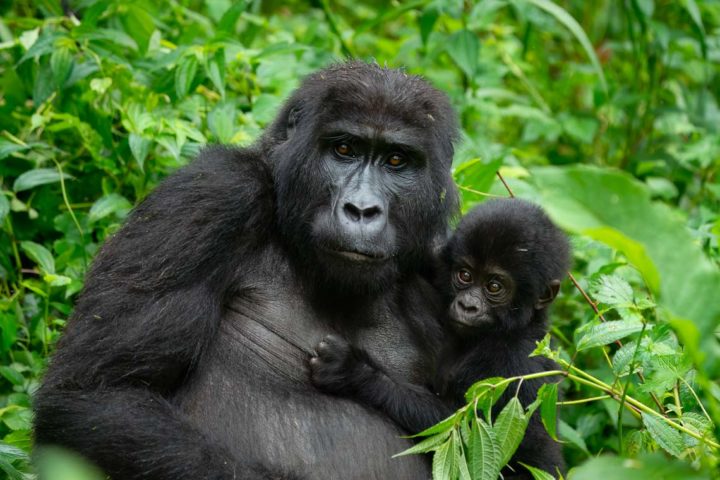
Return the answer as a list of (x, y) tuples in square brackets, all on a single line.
[(186, 357)]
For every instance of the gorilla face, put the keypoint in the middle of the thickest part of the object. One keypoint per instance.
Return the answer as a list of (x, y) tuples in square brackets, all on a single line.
[(361, 165)]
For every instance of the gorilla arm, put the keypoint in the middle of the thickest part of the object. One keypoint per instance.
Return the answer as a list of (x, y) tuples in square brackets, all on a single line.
[(339, 368), (152, 302)]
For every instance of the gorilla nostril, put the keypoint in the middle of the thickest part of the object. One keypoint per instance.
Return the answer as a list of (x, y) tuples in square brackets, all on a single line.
[(468, 308), (371, 212), (352, 212), (365, 215)]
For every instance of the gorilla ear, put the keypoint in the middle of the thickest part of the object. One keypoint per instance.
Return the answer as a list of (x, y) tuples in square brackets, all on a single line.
[(293, 119), (551, 291)]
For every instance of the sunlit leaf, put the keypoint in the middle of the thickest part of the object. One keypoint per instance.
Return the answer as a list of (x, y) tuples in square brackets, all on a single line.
[(607, 332)]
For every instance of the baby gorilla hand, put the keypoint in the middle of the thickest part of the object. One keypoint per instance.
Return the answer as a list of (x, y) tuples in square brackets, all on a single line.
[(337, 367)]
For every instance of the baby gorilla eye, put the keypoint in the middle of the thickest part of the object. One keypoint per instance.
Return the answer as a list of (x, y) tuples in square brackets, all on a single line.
[(343, 149), (464, 276), (493, 286)]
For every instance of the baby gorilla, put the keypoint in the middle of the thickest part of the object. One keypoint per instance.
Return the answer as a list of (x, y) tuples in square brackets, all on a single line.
[(501, 270)]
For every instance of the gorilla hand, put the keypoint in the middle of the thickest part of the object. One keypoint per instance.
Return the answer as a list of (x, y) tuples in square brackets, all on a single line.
[(339, 368)]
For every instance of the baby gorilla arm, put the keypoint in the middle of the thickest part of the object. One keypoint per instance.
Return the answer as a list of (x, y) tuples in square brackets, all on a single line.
[(341, 369)]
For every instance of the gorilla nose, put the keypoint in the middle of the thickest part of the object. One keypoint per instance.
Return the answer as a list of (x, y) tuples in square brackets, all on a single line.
[(362, 214), (467, 308)]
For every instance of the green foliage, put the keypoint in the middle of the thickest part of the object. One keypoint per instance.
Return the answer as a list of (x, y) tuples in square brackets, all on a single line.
[(604, 112)]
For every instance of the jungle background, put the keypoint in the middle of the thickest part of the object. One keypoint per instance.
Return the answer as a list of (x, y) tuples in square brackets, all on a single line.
[(605, 112)]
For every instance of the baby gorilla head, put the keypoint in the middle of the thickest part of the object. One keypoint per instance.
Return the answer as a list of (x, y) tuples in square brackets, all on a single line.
[(505, 263)]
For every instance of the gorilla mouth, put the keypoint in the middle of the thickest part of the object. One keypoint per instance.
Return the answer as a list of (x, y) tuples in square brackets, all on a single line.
[(357, 256)]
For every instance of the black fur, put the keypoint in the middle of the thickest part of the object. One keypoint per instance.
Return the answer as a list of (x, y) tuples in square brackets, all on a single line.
[(186, 355), (509, 242)]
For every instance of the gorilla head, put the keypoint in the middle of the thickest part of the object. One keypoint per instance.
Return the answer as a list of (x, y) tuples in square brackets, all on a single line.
[(361, 161)]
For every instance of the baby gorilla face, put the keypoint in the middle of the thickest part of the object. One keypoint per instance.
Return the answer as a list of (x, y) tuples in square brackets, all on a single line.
[(482, 295)]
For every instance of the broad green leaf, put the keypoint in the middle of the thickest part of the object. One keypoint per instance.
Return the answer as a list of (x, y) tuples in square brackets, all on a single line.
[(509, 428), (571, 24), (614, 208), (464, 48), (475, 177), (185, 74), (666, 436), (39, 176), (607, 332), (650, 467), (427, 445), (56, 464), (40, 255), (109, 204), (538, 474), (483, 452), (548, 408), (444, 466), (612, 290)]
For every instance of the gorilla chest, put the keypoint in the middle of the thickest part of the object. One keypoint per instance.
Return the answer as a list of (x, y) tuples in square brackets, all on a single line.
[(252, 391)]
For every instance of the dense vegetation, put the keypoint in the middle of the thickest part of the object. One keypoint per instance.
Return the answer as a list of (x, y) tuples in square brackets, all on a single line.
[(605, 112)]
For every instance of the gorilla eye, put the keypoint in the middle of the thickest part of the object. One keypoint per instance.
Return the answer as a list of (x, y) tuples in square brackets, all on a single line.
[(396, 161), (493, 286), (343, 149), (464, 276)]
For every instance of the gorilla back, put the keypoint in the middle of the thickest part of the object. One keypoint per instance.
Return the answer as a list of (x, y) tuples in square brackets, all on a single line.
[(186, 356)]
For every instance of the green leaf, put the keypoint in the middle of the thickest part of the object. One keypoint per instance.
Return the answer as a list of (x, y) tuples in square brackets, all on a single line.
[(612, 290), (426, 22), (644, 467), (12, 375), (40, 255), (185, 74), (109, 204), (569, 434), (8, 455), (509, 428), (222, 121), (571, 24), (548, 408), (37, 177), (61, 64), (483, 452), (4, 206), (427, 445), (486, 392), (538, 474), (666, 436), (140, 147), (7, 148), (475, 177), (607, 332), (464, 49), (215, 70), (444, 466), (622, 358)]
